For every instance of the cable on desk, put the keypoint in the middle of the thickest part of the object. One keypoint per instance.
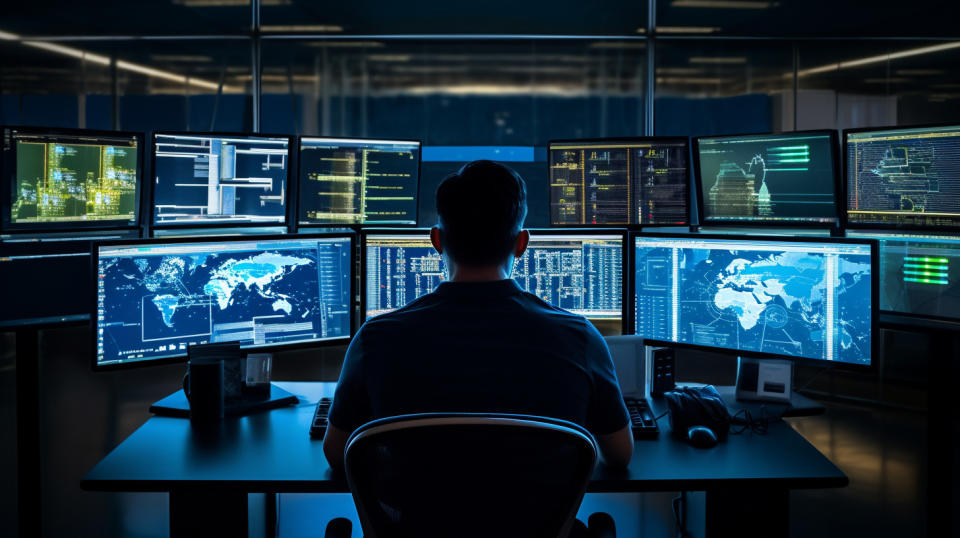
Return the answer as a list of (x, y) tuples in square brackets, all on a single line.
[(665, 413), (743, 420)]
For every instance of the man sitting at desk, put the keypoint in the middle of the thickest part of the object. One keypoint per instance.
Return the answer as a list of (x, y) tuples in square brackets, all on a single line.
[(479, 343)]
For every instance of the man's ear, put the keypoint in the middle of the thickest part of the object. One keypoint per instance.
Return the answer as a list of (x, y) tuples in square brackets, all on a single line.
[(523, 238), (435, 239)]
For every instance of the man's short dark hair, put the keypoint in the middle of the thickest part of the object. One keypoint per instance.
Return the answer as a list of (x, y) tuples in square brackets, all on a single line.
[(481, 209)]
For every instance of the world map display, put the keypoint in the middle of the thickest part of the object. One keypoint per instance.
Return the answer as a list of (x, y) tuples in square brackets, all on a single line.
[(786, 302), (156, 305)]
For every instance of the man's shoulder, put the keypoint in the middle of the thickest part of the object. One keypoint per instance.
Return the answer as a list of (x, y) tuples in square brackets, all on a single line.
[(553, 313)]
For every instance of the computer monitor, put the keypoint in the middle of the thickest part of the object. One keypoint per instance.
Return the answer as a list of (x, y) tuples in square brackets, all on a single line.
[(357, 181), (154, 298), (220, 179), (64, 179), (619, 182), (919, 274), (788, 179), (810, 298), (581, 271), (904, 177)]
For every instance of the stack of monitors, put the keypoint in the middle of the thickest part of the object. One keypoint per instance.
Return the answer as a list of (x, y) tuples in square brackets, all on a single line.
[(345, 181), (777, 296), (153, 299), (772, 179), (217, 179), (62, 179), (619, 182), (581, 271)]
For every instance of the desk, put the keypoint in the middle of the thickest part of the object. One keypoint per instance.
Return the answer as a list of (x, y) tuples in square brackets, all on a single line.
[(209, 471)]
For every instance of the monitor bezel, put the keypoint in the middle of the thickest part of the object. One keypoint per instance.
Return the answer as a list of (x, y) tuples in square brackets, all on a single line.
[(688, 199), (621, 232), (285, 220), (874, 293), (8, 172), (299, 224), (845, 207), (95, 262), (837, 185)]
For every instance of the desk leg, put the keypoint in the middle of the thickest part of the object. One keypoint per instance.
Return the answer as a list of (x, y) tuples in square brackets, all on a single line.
[(747, 513), (208, 512), (29, 465)]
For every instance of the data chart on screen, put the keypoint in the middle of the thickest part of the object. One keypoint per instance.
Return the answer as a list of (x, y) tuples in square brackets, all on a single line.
[(904, 177), (58, 178), (155, 299), (579, 273), (788, 178), (619, 182), (219, 179), (353, 181), (804, 299)]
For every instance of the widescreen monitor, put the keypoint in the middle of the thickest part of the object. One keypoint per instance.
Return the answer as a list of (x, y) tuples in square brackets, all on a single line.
[(62, 179), (218, 179), (786, 179), (619, 182), (347, 181), (779, 297), (919, 274), (906, 177), (580, 272), (155, 298)]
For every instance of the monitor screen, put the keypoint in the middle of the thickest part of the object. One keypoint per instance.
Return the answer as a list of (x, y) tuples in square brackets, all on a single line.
[(783, 178), (919, 274), (64, 178), (355, 181), (577, 272), (801, 299), (906, 177), (619, 182), (219, 179), (156, 298)]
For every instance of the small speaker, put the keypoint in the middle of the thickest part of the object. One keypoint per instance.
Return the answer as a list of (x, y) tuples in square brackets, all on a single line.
[(662, 361)]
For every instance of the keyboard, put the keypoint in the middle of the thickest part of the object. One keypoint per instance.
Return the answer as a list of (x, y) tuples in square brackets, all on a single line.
[(642, 422), (318, 426)]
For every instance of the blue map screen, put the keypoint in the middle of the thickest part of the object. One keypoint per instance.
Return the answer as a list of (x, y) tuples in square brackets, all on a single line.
[(580, 273), (799, 299), (153, 300)]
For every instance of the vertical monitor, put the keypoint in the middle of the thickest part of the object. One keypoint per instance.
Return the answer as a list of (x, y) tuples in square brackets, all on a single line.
[(61, 179), (219, 179), (919, 274), (642, 181), (580, 272), (903, 177), (153, 299), (356, 181), (811, 299), (789, 179)]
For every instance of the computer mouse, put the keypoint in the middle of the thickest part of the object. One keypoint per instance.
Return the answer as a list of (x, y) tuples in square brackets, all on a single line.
[(701, 437)]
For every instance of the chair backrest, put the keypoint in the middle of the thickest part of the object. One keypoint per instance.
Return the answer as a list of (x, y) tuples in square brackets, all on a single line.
[(467, 474)]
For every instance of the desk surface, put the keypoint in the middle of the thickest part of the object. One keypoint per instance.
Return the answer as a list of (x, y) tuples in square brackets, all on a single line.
[(272, 452)]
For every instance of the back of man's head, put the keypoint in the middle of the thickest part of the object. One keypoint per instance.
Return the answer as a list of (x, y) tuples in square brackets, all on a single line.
[(481, 209)]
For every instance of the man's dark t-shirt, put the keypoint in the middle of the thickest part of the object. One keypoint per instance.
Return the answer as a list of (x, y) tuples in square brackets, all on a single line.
[(479, 347)]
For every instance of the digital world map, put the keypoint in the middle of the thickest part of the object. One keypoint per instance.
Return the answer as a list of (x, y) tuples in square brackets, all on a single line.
[(801, 304), (157, 304)]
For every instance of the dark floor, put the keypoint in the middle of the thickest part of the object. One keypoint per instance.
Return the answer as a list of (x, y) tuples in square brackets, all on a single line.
[(83, 415)]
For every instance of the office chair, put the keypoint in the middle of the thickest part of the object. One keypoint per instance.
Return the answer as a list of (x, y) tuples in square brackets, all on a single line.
[(468, 475)]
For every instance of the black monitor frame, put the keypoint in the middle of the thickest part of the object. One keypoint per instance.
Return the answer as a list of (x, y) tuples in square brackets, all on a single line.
[(95, 261), (298, 224), (625, 140), (8, 172), (837, 185), (874, 294), (534, 232), (845, 205), (284, 223)]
